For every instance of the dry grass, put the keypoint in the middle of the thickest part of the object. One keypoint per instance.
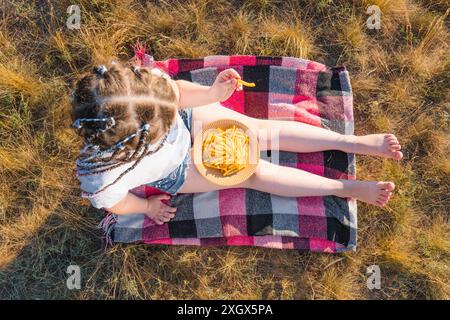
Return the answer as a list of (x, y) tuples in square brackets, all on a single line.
[(400, 77)]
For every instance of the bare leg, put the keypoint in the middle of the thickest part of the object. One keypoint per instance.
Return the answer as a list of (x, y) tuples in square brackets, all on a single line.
[(292, 182), (286, 181), (300, 137)]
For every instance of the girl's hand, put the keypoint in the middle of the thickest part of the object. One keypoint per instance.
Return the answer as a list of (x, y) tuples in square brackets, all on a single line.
[(225, 84), (159, 211)]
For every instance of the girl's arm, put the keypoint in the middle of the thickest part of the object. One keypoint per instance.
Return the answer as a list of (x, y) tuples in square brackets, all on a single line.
[(152, 206), (130, 204), (195, 95)]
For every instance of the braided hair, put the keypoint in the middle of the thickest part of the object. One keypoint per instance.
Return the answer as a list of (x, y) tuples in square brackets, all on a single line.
[(123, 113)]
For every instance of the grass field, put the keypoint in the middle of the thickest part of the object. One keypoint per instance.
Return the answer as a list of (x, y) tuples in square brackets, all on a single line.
[(400, 77)]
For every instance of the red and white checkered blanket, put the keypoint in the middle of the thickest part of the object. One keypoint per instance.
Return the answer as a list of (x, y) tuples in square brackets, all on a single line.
[(286, 88)]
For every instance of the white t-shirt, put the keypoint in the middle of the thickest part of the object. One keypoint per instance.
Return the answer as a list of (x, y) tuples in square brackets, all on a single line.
[(151, 168)]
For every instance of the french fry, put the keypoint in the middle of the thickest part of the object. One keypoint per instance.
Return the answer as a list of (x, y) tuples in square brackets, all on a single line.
[(247, 84), (225, 150)]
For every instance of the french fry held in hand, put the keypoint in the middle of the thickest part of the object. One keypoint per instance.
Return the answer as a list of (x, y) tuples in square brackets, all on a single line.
[(247, 84), (226, 150)]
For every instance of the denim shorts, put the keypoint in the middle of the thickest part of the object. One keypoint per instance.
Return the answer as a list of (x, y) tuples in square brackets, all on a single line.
[(173, 182)]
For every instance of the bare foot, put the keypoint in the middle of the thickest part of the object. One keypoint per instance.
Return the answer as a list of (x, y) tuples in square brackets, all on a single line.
[(382, 144), (374, 192)]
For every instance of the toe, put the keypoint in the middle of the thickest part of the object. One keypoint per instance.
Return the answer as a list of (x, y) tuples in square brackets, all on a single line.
[(391, 137), (393, 150), (380, 203), (398, 155), (385, 193), (392, 141), (390, 186), (384, 200), (394, 147)]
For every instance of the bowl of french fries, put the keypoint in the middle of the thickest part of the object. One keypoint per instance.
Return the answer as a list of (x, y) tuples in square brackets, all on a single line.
[(226, 152)]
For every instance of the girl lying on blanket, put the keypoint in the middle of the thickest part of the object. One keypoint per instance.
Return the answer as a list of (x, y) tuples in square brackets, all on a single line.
[(137, 126)]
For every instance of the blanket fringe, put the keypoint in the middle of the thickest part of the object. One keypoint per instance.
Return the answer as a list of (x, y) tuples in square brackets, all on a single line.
[(141, 56), (107, 225)]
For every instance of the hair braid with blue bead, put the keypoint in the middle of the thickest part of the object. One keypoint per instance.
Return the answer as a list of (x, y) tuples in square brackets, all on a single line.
[(99, 118)]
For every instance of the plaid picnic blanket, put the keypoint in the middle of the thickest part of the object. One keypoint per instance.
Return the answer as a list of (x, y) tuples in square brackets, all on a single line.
[(287, 88)]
